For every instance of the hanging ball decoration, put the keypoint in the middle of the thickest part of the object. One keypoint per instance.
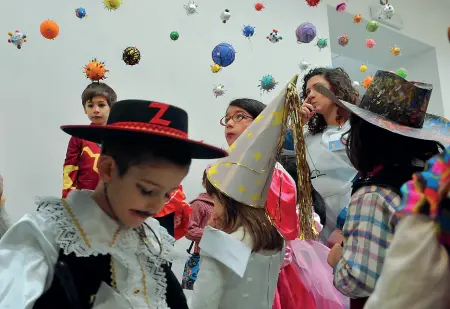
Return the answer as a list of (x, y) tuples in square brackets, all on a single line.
[(17, 39), (367, 81), (49, 29), (363, 68), (322, 43), (191, 8), (341, 7), (248, 31), (259, 6), (388, 11), (356, 85), (372, 26), (357, 18), (131, 56), (313, 3), (448, 33), (401, 72), (95, 70), (174, 35), (343, 40), (370, 43), (112, 5), (304, 66), (395, 51), (225, 16), (274, 36), (80, 13), (223, 54), (306, 32), (267, 83), (215, 68), (219, 90)]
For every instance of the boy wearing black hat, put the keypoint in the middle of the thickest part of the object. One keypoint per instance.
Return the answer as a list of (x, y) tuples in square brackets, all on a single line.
[(101, 249), (80, 165)]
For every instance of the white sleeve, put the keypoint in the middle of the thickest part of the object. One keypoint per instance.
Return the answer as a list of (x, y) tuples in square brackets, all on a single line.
[(28, 254), (209, 286), (416, 272)]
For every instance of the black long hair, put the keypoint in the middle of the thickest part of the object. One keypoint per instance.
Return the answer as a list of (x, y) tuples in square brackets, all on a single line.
[(253, 107)]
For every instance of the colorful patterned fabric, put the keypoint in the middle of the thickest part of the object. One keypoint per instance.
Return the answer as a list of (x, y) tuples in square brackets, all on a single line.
[(368, 231), (190, 273), (428, 193)]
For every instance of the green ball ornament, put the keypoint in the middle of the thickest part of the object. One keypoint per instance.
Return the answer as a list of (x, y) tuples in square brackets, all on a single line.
[(372, 26), (401, 72), (174, 35)]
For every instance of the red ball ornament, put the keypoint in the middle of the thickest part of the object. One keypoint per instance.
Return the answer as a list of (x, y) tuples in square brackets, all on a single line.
[(313, 2), (259, 6)]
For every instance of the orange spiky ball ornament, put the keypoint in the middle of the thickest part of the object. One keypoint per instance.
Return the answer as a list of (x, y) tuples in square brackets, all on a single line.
[(95, 70), (367, 81)]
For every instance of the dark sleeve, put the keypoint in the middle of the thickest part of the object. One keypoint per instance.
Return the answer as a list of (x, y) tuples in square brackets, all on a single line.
[(175, 297)]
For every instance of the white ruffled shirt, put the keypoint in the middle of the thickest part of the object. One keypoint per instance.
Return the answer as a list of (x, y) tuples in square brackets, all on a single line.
[(30, 249), (231, 275)]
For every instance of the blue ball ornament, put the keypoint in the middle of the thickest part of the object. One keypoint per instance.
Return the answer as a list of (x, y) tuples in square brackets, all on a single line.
[(81, 13), (223, 54), (248, 31)]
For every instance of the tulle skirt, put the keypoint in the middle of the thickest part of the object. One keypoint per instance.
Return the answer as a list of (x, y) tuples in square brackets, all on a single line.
[(291, 293), (309, 259)]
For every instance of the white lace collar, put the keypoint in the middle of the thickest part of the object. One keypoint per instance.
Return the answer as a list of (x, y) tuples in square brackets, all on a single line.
[(82, 228)]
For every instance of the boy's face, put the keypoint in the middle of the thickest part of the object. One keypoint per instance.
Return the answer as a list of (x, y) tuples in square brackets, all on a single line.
[(142, 191), (97, 110)]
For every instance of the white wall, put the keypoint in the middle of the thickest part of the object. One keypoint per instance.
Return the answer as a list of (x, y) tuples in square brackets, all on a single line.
[(42, 83), (423, 68), (427, 22)]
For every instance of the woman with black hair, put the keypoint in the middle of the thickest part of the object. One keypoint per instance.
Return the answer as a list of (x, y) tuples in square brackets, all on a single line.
[(390, 138), (331, 171)]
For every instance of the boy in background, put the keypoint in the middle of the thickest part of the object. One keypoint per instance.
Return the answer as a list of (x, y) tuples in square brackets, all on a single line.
[(80, 165)]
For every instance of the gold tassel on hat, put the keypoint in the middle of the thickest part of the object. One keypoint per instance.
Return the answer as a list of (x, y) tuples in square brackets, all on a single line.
[(293, 119)]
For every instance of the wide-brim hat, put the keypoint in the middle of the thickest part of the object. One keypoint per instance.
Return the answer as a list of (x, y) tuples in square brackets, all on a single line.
[(153, 122), (395, 104)]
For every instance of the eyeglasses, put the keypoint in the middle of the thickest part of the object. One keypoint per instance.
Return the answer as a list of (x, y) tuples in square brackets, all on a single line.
[(236, 117)]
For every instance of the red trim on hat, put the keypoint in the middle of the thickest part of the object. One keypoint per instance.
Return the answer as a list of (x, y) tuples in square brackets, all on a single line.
[(149, 128)]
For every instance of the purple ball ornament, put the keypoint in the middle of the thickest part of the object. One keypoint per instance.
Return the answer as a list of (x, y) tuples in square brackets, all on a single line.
[(306, 32)]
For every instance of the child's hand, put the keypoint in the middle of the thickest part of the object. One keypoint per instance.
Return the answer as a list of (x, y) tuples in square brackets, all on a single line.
[(335, 255), (335, 238)]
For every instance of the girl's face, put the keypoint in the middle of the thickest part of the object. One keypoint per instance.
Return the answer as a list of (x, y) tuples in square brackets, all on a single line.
[(142, 191), (321, 104), (236, 120), (218, 214)]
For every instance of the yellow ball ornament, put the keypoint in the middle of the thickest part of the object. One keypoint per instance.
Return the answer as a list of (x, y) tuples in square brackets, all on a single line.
[(215, 68), (112, 5), (363, 68)]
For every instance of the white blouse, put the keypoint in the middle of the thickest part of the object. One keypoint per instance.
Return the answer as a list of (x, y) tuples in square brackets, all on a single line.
[(232, 276), (29, 251)]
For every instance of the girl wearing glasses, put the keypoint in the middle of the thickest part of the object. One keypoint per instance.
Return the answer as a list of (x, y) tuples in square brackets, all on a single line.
[(291, 291), (332, 172)]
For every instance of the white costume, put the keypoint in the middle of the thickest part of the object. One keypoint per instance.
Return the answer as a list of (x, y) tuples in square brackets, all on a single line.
[(328, 156), (233, 277), (416, 271), (30, 249)]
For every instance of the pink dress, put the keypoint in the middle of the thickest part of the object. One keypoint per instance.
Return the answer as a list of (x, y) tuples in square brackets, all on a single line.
[(306, 279)]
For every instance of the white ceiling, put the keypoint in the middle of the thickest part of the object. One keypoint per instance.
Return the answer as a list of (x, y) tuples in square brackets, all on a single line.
[(385, 37)]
